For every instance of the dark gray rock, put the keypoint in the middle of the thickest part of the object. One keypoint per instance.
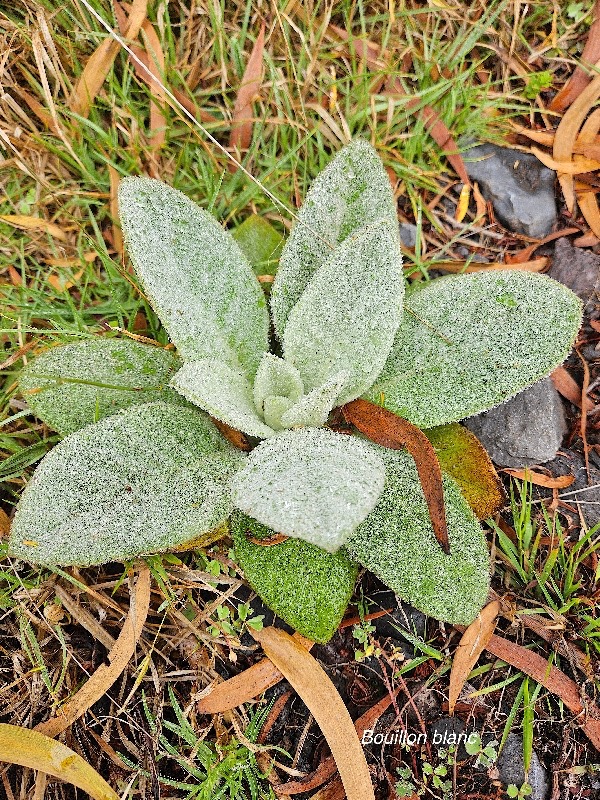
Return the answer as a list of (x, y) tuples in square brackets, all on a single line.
[(577, 268), (408, 234), (520, 188), (527, 429), (511, 768)]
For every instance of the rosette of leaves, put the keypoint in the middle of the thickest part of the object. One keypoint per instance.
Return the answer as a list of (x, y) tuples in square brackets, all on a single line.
[(143, 468)]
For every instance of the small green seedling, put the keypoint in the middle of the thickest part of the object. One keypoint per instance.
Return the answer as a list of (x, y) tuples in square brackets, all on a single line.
[(143, 469), (519, 792), (486, 755)]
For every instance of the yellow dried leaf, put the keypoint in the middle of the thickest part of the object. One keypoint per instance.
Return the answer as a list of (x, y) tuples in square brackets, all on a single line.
[(566, 167), (34, 224), (463, 203), (31, 749)]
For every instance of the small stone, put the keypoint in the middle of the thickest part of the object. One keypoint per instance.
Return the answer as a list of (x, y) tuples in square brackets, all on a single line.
[(511, 768), (527, 429), (408, 234), (520, 188), (577, 268)]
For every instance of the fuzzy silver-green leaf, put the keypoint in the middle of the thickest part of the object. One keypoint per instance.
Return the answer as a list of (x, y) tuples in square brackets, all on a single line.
[(73, 385), (222, 391), (349, 313), (306, 587), (397, 543), (351, 192), (312, 484), (195, 275), (469, 342), (146, 480), (313, 409)]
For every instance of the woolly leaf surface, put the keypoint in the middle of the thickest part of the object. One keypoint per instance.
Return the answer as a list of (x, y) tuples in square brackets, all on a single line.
[(261, 243), (142, 481), (349, 313), (351, 192), (276, 377), (73, 385), (397, 543), (313, 409), (305, 586), (469, 342), (195, 275), (312, 484), (222, 391)]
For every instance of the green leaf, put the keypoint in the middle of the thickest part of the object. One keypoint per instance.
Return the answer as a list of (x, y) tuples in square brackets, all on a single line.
[(313, 409), (276, 378), (76, 384), (397, 543), (465, 459), (223, 392), (469, 342), (312, 484), (195, 275), (261, 243), (145, 480), (308, 588), (349, 313), (352, 191)]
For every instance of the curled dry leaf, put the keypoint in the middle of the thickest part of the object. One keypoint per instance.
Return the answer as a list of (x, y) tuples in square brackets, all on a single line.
[(327, 768), (566, 136), (566, 167), (120, 655), (587, 200), (313, 685), (463, 203), (99, 63), (33, 750), (247, 685), (569, 388), (580, 78), (241, 124), (156, 65), (34, 224), (472, 644), (525, 254), (561, 482), (552, 679), (389, 430)]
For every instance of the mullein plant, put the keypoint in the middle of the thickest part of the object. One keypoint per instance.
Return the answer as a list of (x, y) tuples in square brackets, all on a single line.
[(142, 467)]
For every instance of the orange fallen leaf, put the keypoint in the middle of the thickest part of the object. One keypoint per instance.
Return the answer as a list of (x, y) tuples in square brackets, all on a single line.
[(34, 224), (566, 167), (587, 200), (72, 262), (525, 254), (566, 135), (104, 677), (388, 430), (315, 688), (561, 482), (4, 524), (552, 679), (241, 123), (100, 62), (327, 767), (568, 387), (472, 644), (580, 78), (480, 204), (33, 750), (246, 685), (63, 283)]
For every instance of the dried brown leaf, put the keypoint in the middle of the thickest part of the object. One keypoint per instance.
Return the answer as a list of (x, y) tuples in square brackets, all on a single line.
[(34, 224), (246, 685), (472, 644), (33, 750), (580, 79), (99, 63), (566, 167), (536, 265), (568, 387), (104, 677), (242, 120), (315, 688), (537, 478), (388, 430), (156, 65)]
